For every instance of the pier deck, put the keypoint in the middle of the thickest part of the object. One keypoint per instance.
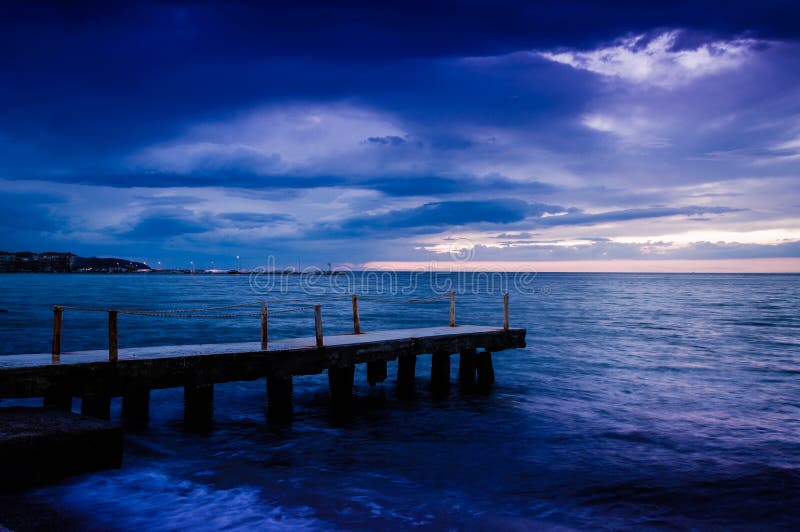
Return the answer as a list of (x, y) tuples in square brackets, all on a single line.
[(91, 376), (495, 337)]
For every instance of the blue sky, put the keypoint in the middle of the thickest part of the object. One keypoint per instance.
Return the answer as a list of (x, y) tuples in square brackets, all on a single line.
[(407, 131)]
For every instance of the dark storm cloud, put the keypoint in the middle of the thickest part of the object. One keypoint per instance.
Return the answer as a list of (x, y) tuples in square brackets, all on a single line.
[(255, 219), (228, 178), (435, 185), (409, 28), (168, 201), (260, 184), (580, 218), (389, 140), (441, 214), (163, 224), (90, 82)]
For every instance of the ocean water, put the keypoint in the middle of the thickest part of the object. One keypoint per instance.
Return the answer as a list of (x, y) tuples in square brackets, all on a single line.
[(642, 401)]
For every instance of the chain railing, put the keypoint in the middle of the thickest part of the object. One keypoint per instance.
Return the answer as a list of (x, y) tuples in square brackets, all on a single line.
[(263, 314)]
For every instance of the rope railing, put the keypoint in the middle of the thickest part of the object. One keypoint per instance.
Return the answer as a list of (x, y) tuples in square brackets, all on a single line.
[(263, 314)]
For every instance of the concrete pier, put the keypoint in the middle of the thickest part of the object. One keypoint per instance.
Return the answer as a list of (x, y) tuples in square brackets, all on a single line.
[(440, 371), (39, 445), (90, 375), (485, 371), (43, 444), (467, 369), (406, 374), (376, 372), (198, 407), (280, 391)]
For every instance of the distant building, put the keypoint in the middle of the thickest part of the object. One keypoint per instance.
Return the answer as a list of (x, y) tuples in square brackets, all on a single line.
[(58, 262), (26, 261)]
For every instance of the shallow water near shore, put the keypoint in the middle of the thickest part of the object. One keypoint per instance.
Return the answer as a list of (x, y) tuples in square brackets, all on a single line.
[(641, 401)]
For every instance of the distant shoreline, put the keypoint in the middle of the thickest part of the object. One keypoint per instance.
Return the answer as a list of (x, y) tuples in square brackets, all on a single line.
[(64, 262)]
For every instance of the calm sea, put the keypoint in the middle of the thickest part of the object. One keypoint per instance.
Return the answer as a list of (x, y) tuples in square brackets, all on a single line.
[(641, 401)]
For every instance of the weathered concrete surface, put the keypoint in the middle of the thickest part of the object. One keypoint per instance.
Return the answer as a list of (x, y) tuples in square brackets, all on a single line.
[(39, 445), (89, 373)]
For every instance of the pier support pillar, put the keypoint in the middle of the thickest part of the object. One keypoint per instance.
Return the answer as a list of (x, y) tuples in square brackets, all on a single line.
[(376, 372), (58, 400), (467, 368), (440, 371), (340, 382), (96, 405), (198, 407), (136, 408), (406, 374), (485, 371), (280, 390)]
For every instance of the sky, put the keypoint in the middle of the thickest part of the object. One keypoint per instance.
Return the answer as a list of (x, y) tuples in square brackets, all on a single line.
[(644, 135)]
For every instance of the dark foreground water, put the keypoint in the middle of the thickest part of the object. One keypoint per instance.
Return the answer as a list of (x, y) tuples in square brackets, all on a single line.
[(642, 401)]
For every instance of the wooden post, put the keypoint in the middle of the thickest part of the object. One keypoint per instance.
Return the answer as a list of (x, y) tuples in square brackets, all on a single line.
[(264, 326), (318, 324), (452, 308), (505, 311), (356, 319), (58, 315), (113, 336)]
